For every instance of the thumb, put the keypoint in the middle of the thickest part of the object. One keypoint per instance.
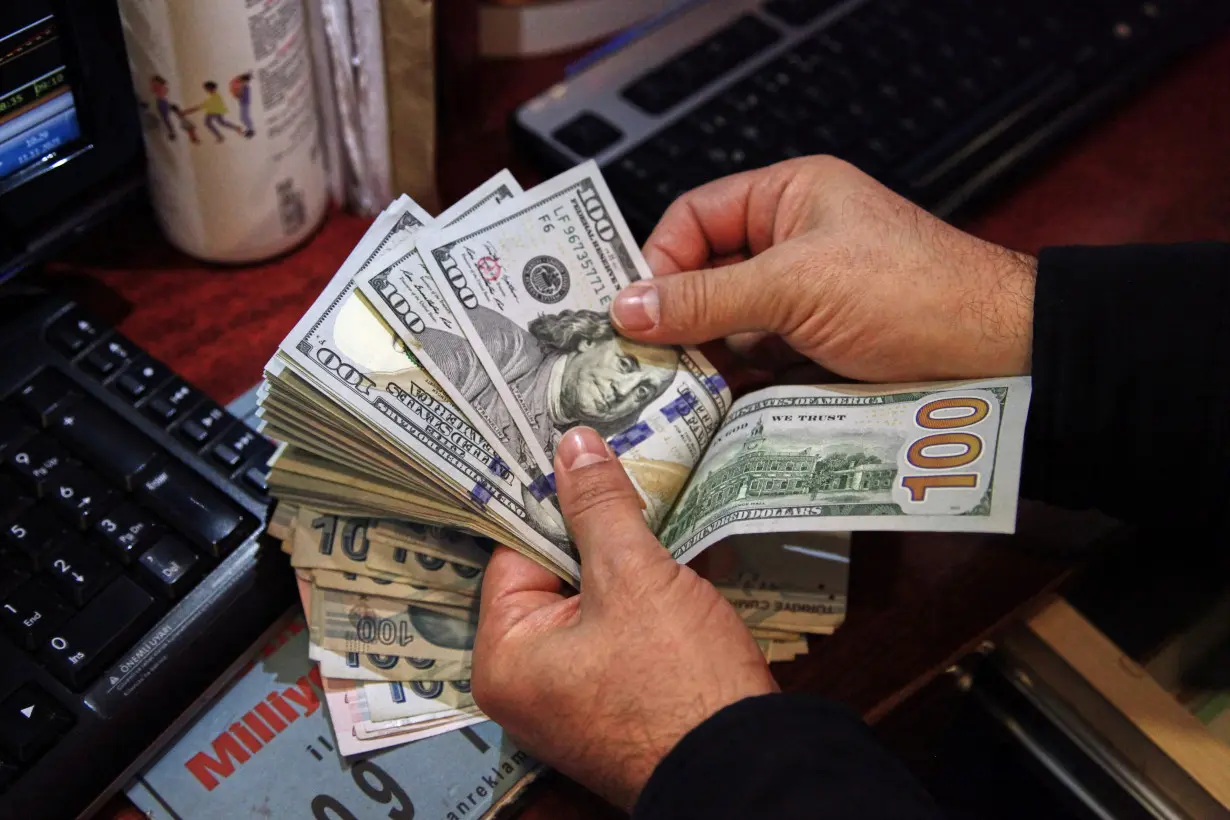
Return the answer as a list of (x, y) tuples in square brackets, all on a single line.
[(603, 510), (695, 307)]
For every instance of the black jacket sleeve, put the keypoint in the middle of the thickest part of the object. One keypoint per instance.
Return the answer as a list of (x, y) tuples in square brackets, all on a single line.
[(785, 757), (1131, 383)]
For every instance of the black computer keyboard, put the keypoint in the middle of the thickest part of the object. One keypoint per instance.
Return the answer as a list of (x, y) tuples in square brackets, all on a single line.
[(131, 572), (936, 98)]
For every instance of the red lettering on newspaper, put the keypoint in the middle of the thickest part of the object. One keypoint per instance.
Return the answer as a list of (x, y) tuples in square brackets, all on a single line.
[(254, 729)]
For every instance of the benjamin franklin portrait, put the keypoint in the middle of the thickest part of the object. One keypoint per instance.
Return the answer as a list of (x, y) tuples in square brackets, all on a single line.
[(570, 368)]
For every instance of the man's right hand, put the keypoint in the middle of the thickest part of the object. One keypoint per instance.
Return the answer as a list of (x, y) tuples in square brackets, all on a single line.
[(848, 273)]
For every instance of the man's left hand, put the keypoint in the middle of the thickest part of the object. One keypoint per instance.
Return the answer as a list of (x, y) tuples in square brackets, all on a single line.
[(601, 685)]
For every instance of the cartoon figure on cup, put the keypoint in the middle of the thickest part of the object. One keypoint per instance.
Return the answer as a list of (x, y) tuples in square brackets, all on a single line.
[(215, 112), (241, 90)]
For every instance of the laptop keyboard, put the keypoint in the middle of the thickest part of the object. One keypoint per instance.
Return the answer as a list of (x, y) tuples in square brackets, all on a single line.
[(921, 94), (874, 88), (102, 528)]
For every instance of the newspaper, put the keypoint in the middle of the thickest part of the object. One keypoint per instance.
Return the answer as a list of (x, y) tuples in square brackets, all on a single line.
[(265, 749)]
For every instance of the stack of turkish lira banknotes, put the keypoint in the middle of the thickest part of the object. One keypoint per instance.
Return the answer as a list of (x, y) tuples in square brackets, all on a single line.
[(420, 399)]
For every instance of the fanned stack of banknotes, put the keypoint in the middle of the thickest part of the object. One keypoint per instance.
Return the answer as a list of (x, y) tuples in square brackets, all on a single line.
[(420, 399)]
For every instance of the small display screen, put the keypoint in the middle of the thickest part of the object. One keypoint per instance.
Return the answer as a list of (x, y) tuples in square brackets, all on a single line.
[(38, 115)]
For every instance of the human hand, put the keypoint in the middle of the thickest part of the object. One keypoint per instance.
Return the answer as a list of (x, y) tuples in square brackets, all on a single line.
[(601, 685), (847, 272)]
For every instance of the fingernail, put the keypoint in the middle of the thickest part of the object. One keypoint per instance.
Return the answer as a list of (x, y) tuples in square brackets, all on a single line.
[(581, 447), (636, 307)]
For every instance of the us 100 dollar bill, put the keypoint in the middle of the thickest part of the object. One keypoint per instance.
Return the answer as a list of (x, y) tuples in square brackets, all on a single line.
[(403, 292), (944, 456), (530, 285), (347, 351)]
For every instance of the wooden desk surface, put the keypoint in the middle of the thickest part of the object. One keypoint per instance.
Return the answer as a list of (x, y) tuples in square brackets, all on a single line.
[(1157, 170)]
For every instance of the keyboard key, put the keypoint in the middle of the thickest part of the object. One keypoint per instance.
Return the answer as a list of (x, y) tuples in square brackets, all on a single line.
[(773, 81), (587, 135), (104, 439), (78, 572), (204, 423), (12, 501), (127, 530), (207, 518), (675, 142), (31, 613), (10, 579), (36, 461), (13, 430), (862, 114), (30, 723), (72, 333), (80, 649), (44, 393), (659, 91), (250, 447), (33, 537), (710, 121), (834, 134), (744, 100), (141, 378), (917, 78), (170, 567), (973, 88), (108, 357), (81, 495), (884, 149), (641, 166), (171, 401), (225, 456), (913, 129), (257, 478)]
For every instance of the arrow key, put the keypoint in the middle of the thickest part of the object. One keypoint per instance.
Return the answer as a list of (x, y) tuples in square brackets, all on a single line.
[(82, 494), (30, 723), (79, 572)]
